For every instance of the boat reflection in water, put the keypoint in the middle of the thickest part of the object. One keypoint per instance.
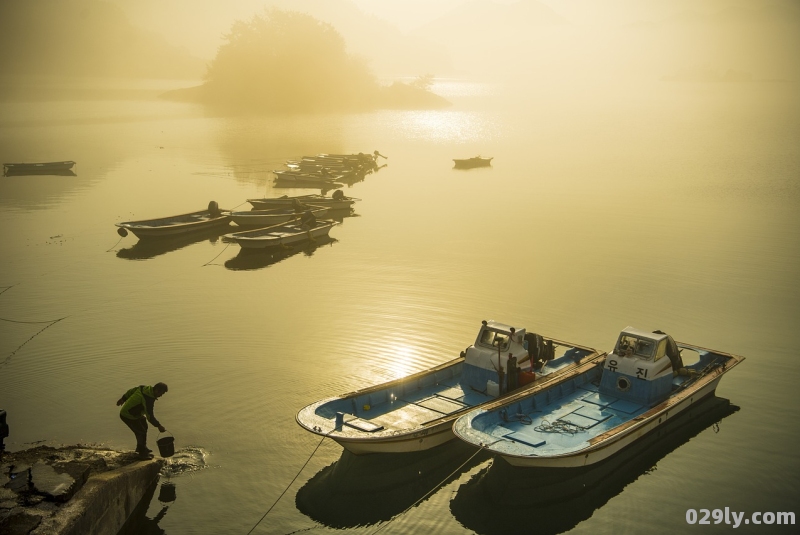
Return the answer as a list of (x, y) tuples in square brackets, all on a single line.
[(249, 259), (361, 490), (502, 499), (145, 249)]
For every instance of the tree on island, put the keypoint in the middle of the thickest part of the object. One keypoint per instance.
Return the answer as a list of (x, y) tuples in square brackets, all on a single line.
[(284, 61)]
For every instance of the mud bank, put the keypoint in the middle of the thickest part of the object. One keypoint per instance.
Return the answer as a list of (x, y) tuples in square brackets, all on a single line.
[(71, 490)]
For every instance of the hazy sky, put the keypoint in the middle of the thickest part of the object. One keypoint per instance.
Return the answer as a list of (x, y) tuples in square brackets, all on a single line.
[(661, 37)]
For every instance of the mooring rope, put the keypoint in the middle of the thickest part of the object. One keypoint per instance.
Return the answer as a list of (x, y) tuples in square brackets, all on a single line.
[(218, 254), (50, 324), (434, 489), (292, 481)]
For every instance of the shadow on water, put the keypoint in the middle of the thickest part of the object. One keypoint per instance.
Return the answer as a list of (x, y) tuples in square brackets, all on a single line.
[(139, 523), (188, 459), (152, 247), (503, 499), (250, 259), (361, 490)]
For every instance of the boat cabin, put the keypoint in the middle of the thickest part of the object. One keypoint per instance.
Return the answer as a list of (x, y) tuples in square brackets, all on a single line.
[(486, 362), (641, 366)]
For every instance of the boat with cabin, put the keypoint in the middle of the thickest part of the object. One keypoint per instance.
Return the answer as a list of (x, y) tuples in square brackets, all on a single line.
[(602, 408), (417, 412), (210, 219)]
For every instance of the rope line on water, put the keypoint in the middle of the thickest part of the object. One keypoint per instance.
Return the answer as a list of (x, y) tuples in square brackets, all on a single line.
[(442, 482), (218, 255), (292, 481), (17, 321), (29, 339)]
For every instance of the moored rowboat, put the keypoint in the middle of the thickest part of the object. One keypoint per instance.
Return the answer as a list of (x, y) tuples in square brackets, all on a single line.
[(335, 202), (202, 220), (265, 218), (283, 234), (469, 163), (37, 168)]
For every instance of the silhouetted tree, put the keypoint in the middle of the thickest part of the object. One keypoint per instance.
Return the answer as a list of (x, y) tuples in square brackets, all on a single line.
[(287, 61)]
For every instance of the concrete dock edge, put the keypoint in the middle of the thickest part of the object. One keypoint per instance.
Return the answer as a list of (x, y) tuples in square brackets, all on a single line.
[(104, 503)]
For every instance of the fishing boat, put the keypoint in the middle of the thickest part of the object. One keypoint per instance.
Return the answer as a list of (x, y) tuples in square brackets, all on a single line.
[(209, 219), (274, 216), (603, 408), (469, 163), (284, 234), (417, 412), (42, 168), (305, 179), (337, 201)]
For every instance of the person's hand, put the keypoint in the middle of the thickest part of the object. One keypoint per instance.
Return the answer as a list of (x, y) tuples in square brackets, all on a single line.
[(162, 429)]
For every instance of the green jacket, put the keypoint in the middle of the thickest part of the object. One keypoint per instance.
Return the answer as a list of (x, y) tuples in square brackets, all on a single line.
[(138, 403)]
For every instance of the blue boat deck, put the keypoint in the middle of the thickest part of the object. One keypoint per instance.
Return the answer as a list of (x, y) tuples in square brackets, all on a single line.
[(560, 420)]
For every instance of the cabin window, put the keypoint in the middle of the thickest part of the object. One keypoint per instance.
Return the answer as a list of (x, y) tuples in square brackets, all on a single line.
[(633, 345), (494, 339), (662, 349)]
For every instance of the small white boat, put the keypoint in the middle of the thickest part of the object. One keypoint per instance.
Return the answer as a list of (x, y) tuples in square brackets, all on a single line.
[(274, 216), (338, 201), (203, 220), (417, 412), (601, 409), (282, 235)]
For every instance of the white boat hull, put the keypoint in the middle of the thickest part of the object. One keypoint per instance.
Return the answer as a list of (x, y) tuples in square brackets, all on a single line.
[(625, 438)]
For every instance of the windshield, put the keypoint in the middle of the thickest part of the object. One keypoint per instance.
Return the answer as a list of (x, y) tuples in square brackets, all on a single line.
[(633, 345), (494, 339)]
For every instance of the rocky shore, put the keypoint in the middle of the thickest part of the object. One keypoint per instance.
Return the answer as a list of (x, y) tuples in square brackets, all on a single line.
[(71, 490)]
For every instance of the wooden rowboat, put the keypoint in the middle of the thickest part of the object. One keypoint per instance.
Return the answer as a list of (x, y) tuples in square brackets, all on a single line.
[(282, 235), (170, 226), (43, 168)]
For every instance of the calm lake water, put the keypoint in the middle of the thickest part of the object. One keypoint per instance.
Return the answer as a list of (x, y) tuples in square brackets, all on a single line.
[(650, 204)]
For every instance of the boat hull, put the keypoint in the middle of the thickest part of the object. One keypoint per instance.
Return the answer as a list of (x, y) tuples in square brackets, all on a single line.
[(10, 169), (484, 428), (582, 459), (470, 163), (400, 435), (286, 202), (265, 218), (273, 237), (163, 228)]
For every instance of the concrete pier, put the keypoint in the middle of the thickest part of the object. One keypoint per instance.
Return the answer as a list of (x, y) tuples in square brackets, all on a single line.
[(72, 490)]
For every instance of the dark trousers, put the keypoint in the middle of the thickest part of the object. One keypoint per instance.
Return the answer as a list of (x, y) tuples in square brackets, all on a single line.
[(139, 428)]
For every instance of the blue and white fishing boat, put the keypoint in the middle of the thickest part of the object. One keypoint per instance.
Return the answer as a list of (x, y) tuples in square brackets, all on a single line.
[(417, 412), (602, 408)]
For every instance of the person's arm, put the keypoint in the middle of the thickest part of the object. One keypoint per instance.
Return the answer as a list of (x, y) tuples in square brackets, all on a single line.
[(125, 397), (149, 404)]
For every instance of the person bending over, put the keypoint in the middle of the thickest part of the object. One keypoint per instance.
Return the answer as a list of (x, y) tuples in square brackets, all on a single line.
[(137, 409)]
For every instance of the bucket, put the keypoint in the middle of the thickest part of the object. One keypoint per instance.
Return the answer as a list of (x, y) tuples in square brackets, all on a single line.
[(166, 446), (526, 377)]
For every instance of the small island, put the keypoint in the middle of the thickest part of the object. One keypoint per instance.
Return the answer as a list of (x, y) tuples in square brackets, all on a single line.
[(289, 62)]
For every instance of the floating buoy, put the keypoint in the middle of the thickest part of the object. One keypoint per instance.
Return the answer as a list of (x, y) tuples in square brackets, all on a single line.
[(122, 232)]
